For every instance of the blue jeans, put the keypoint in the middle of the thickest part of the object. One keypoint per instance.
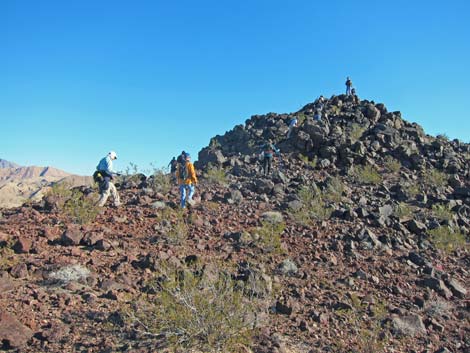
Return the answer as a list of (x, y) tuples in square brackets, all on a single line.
[(348, 90), (185, 195)]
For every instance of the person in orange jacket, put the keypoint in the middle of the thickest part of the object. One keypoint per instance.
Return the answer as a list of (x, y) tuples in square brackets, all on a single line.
[(187, 179)]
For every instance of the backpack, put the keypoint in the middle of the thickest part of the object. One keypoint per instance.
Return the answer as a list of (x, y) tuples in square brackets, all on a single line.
[(183, 170), (98, 177)]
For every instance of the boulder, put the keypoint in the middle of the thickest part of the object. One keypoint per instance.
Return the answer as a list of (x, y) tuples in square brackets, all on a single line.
[(13, 333)]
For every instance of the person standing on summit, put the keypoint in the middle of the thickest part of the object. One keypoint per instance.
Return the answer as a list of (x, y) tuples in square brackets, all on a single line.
[(105, 168), (348, 86)]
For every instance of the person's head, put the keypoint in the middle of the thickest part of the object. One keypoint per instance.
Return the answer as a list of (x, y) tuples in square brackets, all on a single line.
[(187, 156), (112, 155), (183, 153)]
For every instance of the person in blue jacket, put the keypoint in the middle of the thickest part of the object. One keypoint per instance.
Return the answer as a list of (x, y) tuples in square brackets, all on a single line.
[(105, 168)]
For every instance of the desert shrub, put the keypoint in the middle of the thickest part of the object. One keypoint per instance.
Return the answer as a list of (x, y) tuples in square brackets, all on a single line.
[(411, 189), (444, 238), (437, 307), (334, 190), (301, 118), (195, 309), (268, 236), (310, 163), (392, 165), (367, 174), (7, 257), (80, 208), (403, 210), (60, 193), (356, 132), (160, 181), (442, 212), (176, 228), (364, 335), (435, 178), (313, 207), (216, 176), (443, 137)]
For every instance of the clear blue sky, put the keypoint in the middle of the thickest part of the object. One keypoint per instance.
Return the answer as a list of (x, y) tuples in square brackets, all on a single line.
[(150, 78)]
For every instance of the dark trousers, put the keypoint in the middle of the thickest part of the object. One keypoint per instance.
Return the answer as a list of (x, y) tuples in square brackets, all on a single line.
[(267, 165)]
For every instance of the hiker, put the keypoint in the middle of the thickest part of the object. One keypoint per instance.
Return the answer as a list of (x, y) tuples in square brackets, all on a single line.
[(318, 111), (268, 151), (106, 174), (293, 124), (348, 86), (173, 163), (187, 179)]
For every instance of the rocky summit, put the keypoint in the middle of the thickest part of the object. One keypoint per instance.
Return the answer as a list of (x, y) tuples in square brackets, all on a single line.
[(357, 241)]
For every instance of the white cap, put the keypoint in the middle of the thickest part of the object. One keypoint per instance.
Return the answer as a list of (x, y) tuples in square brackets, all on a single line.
[(112, 154)]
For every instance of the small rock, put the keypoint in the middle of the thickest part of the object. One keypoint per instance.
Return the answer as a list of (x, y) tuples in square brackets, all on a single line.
[(287, 268), (457, 288), (22, 245), (409, 325), (71, 236)]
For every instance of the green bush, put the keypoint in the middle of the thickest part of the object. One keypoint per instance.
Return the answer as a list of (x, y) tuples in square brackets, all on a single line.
[(435, 178), (176, 229), (411, 189), (160, 181), (334, 190), (268, 236), (403, 210), (367, 174), (313, 207), (356, 132), (195, 309), (442, 212), (80, 208), (447, 240), (363, 325), (392, 165), (216, 176), (311, 163)]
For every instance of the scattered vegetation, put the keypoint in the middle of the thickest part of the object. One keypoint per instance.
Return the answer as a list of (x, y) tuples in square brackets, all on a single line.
[(175, 226), (81, 208), (412, 190), (392, 164), (268, 236), (311, 163), (435, 178), (313, 206), (442, 212), (364, 326), (160, 181), (7, 257), (356, 132), (195, 309), (216, 176), (334, 190), (437, 307), (300, 118), (447, 240), (367, 174), (443, 137), (403, 210)]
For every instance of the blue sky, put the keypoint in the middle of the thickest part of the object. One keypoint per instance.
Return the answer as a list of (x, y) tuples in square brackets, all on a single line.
[(149, 78)]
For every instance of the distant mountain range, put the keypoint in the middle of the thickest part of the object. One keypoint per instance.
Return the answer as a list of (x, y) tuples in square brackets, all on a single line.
[(19, 184), (6, 164)]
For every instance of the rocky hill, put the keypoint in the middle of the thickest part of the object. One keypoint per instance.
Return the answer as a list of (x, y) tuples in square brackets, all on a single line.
[(357, 242), (21, 184)]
